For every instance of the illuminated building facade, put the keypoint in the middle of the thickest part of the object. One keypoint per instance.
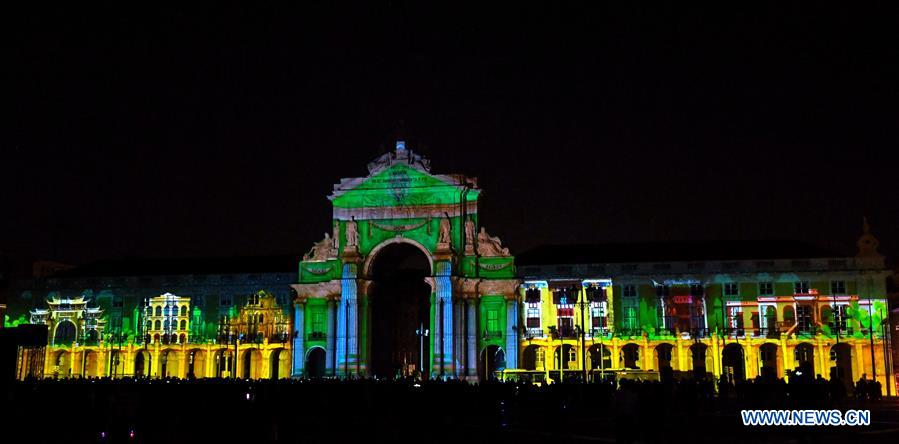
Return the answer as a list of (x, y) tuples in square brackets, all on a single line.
[(406, 281), (744, 309), (120, 300)]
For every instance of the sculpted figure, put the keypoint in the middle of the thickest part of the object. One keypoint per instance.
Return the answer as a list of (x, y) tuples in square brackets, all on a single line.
[(444, 235), (320, 250), (490, 245), (336, 236), (352, 234), (469, 232)]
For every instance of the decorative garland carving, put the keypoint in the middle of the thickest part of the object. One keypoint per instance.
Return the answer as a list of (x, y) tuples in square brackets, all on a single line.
[(398, 228), (318, 271)]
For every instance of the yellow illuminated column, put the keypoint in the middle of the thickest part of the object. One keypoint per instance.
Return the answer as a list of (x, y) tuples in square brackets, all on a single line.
[(647, 354), (182, 368)]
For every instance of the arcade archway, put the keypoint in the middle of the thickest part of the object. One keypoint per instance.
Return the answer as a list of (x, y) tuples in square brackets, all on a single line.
[(733, 362), (492, 359), (400, 302), (315, 362)]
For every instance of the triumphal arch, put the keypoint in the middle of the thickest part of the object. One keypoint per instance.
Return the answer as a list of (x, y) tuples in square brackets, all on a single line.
[(405, 281)]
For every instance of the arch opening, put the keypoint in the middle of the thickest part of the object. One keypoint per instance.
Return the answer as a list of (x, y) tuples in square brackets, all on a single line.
[(400, 304)]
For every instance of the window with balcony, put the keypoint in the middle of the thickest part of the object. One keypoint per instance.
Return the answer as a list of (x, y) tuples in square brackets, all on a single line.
[(493, 322), (318, 322), (766, 288), (533, 315)]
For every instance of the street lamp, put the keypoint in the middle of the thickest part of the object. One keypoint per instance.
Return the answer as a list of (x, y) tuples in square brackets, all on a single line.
[(422, 333)]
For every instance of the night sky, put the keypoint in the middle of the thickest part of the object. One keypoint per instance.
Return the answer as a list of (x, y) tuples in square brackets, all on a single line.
[(220, 130)]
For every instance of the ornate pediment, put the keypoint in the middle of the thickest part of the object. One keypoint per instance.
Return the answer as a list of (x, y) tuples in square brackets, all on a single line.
[(400, 179)]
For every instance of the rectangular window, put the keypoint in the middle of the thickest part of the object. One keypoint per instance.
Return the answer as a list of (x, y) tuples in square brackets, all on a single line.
[(731, 289), (837, 287), (804, 317), (630, 318), (766, 288), (598, 315), (492, 321), (225, 300), (630, 291), (533, 319), (801, 287), (318, 322), (117, 302)]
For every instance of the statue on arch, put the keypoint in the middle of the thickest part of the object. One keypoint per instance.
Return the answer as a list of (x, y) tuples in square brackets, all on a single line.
[(490, 245), (336, 236), (469, 231), (321, 250), (352, 233), (444, 235)]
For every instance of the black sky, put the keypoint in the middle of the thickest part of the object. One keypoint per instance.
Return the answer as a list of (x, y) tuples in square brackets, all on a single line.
[(219, 130)]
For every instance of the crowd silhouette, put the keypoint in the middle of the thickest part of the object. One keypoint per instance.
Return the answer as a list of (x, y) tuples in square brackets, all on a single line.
[(404, 410)]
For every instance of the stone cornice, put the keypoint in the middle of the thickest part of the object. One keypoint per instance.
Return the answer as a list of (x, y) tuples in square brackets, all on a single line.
[(318, 290)]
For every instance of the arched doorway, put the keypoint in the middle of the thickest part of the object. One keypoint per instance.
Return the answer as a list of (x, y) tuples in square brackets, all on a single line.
[(115, 364), (630, 356), (91, 366), (804, 355), (142, 364), (769, 362), (600, 357), (400, 302), (531, 358), (65, 333), (224, 363), (196, 364), (168, 364), (278, 365), (251, 366), (841, 354), (494, 358), (62, 365), (698, 352), (664, 355), (733, 363), (315, 362)]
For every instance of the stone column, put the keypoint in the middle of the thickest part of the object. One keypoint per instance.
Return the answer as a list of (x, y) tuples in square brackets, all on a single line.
[(437, 355), (331, 339), (458, 341), (445, 296), (341, 340), (348, 291), (511, 333), (472, 339), (299, 337)]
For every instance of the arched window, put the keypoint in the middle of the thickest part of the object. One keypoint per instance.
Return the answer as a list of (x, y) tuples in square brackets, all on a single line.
[(183, 324), (156, 336), (157, 325), (165, 325), (158, 311), (183, 338), (183, 310), (261, 317)]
